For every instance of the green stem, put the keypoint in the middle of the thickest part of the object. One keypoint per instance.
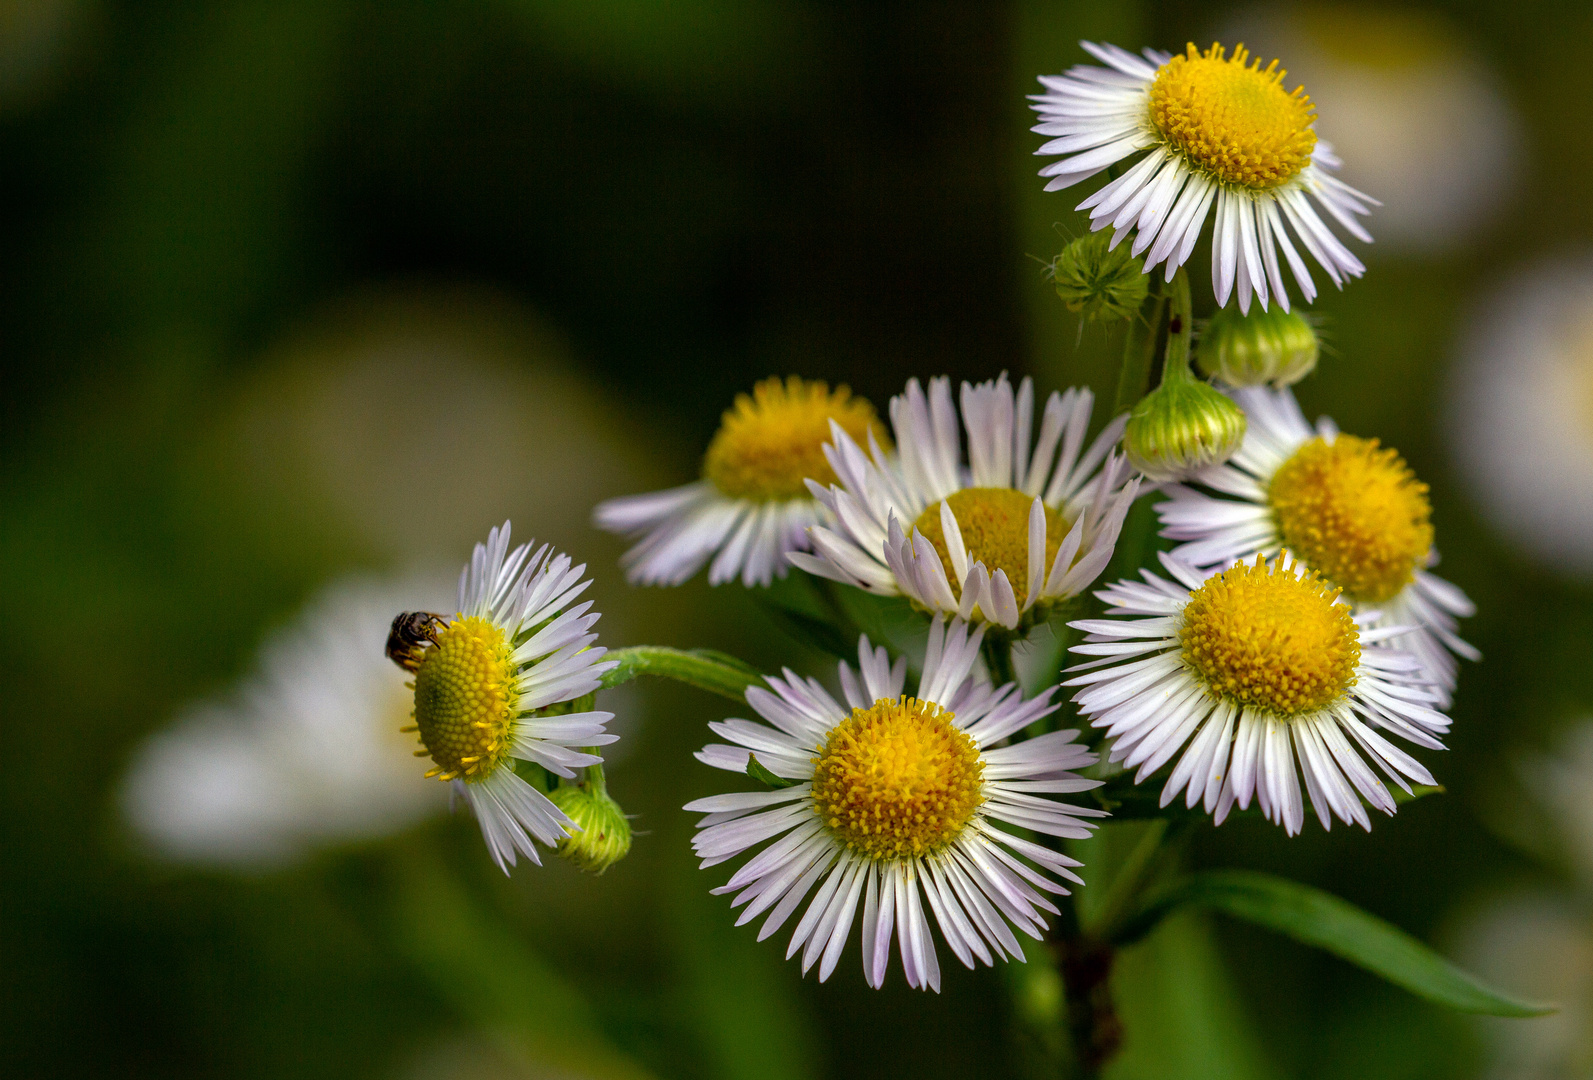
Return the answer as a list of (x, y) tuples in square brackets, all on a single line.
[(1124, 891), (705, 669), (1139, 350), (1180, 330), (997, 650)]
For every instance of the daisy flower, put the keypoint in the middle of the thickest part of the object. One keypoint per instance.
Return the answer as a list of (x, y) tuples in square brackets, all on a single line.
[(897, 801), (752, 506), (1349, 508), (1521, 413), (1245, 671), (304, 754), (1215, 131), (490, 687), (1000, 539)]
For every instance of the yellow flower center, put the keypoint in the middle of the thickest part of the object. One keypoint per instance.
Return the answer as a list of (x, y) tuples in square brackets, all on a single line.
[(1356, 513), (465, 700), (897, 780), (995, 529), (1232, 119), (1261, 636), (773, 441)]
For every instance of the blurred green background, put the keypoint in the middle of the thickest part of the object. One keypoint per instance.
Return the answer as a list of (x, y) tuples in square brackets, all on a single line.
[(293, 290)]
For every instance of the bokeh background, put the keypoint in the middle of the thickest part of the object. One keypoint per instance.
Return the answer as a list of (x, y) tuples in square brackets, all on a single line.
[(305, 295)]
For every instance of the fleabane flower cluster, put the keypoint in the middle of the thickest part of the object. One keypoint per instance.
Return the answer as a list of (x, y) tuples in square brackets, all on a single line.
[(1026, 521)]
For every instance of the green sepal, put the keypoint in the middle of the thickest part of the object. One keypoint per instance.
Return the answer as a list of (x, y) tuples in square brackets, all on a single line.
[(1322, 920), (765, 777)]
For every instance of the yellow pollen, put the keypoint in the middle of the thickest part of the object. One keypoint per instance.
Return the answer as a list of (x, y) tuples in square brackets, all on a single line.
[(465, 701), (773, 441), (1233, 119), (1261, 636), (995, 529), (1356, 513), (897, 780)]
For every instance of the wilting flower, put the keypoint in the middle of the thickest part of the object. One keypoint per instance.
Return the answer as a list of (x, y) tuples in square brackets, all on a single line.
[(1022, 526), (897, 801)]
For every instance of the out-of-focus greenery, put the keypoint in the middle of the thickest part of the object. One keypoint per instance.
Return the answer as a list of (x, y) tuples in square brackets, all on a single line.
[(252, 250)]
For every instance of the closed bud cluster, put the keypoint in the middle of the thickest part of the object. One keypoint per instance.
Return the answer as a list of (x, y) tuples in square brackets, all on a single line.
[(605, 836), (1099, 282), (1181, 427), (1276, 346)]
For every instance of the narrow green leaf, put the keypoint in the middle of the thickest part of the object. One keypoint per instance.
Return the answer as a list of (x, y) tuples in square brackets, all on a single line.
[(1320, 919), (716, 672), (765, 777)]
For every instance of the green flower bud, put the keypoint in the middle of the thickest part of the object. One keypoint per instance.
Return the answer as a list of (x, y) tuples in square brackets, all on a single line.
[(1100, 283), (1278, 347), (1181, 427), (605, 836)]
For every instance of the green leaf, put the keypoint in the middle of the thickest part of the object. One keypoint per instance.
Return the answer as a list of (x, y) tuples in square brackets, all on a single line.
[(765, 777), (1317, 918), (706, 669)]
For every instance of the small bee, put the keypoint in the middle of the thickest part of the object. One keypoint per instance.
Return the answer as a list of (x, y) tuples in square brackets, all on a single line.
[(412, 631)]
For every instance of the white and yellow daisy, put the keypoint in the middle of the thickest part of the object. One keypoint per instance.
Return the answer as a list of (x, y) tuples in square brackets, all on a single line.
[(1214, 130), (304, 754), (489, 688), (897, 801), (1254, 667), (1002, 539), (1350, 509), (752, 506)]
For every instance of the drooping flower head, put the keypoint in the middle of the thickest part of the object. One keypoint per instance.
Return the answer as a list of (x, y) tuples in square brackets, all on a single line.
[(752, 506), (1349, 508), (1025, 523), (1245, 671), (1214, 130), (897, 802), (495, 685)]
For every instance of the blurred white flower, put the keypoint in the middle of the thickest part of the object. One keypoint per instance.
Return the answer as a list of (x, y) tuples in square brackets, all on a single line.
[(1521, 412), (1418, 119), (305, 752)]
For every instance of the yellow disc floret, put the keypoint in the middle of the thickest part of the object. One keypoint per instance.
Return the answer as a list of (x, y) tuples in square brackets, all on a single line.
[(1263, 636), (897, 780), (769, 444), (1233, 120), (465, 700), (1355, 512), (994, 523)]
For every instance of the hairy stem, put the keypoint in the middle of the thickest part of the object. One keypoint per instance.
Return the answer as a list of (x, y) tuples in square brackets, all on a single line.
[(703, 668)]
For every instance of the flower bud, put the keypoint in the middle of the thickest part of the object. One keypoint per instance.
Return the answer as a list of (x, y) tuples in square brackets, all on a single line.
[(1276, 346), (605, 836), (1181, 427), (1099, 282)]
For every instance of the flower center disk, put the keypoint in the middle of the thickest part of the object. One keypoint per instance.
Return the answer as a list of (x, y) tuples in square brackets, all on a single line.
[(994, 523), (897, 780), (1355, 512), (769, 444), (1233, 119), (465, 699), (1259, 635)]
